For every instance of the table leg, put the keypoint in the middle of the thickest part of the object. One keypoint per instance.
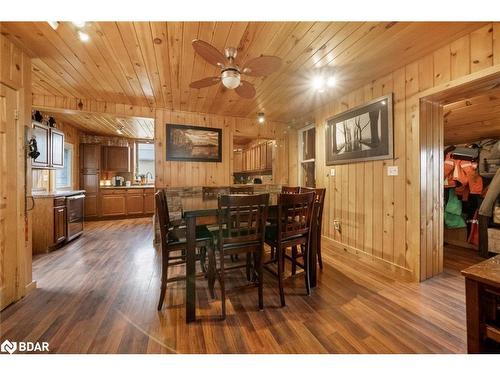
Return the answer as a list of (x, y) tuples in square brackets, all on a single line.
[(473, 312), (191, 269)]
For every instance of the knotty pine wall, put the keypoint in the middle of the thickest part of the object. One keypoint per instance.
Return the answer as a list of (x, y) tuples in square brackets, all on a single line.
[(15, 73), (380, 215), (177, 174)]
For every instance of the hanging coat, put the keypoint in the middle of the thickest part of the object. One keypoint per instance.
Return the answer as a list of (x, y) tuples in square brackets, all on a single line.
[(453, 212)]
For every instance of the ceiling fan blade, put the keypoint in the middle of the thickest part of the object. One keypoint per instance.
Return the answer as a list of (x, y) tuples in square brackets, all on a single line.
[(209, 53), (262, 66), (245, 90), (205, 82)]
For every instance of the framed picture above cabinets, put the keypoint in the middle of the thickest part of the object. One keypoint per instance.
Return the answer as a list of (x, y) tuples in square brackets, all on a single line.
[(50, 145)]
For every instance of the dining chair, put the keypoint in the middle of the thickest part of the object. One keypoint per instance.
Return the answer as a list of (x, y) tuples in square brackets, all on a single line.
[(242, 222), (241, 190), (293, 229), (319, 200), (173, 240), (212, 192), (290, 189)]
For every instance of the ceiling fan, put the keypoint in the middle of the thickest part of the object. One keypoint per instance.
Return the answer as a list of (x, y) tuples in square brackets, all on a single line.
[(230, 74)]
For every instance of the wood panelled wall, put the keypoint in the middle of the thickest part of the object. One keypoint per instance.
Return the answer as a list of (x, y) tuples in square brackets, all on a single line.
[(380, 215), (15, 79), (176, 174)]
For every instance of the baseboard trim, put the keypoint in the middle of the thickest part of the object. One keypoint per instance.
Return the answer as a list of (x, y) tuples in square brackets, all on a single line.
[(399, 273), (31, 286)]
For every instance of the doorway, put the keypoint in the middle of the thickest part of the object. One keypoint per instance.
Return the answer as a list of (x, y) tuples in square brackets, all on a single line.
[(436, 117), (307, 156)]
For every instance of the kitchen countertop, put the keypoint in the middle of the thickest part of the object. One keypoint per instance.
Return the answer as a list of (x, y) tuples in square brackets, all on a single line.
[(128, 187), (56, 194)]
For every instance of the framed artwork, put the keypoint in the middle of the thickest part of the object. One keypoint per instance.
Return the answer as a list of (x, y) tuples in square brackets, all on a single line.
[(193, 143), (361, 133)]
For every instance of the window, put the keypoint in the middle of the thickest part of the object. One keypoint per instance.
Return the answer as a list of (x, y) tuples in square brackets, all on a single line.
[(64, 178), (145, 156), (307, 154)]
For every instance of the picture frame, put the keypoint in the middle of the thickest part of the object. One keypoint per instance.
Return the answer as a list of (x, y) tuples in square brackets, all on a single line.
[(362, 133), (193, 143)]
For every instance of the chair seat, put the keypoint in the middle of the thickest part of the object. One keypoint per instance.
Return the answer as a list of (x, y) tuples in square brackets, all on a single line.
[(272, 236), (178, 235)]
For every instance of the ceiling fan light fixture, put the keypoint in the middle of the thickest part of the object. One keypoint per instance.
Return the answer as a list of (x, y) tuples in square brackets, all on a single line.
[(230, 78)]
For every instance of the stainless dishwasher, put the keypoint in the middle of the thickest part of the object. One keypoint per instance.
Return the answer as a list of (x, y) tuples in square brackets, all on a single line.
[(74, 209)]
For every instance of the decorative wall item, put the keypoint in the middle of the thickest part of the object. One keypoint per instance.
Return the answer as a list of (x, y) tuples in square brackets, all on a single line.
[(361, 133), (193, 143)]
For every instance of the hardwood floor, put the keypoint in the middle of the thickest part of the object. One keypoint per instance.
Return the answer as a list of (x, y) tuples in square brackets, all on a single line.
[(99, 295)]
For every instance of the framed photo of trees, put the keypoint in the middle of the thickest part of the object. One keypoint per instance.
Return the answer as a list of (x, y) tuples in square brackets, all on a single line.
[(361, 133)]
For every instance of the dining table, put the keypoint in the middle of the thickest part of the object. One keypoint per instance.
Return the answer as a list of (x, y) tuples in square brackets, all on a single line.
[(197, 209)]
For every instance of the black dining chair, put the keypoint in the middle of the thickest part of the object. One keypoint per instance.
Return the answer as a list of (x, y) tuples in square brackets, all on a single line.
[(319, 200), (242, 222), (293, 229), (290, 189), (173, 241)]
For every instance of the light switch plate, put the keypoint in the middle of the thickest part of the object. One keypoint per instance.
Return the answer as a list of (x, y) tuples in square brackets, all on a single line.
[(392, 170), (332, 172)]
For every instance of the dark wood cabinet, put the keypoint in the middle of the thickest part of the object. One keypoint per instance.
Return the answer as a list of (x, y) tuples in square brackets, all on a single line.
[(90, 160), (56, 148), (90, 157), (50, 145), (59, 224), (41, 134), (116, 158)]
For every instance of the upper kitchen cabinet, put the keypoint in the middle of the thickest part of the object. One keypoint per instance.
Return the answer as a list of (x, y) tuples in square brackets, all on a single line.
[(90, 157), (50, 145), (116, 158)]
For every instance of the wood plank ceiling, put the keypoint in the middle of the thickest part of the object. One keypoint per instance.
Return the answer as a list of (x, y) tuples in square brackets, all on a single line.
[(152, 63), (472, 119)]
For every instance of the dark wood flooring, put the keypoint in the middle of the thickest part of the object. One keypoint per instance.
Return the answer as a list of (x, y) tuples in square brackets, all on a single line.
[(99, 295)]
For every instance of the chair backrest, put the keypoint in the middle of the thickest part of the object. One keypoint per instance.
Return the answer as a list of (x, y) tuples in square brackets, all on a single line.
[(212, 192), (290, 189), (241, 190), (163, 216), (294, 214), (319, 199), (242, 218)]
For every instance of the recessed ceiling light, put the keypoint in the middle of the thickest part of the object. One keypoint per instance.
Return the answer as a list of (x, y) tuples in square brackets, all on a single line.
[(84, 37), (318, 83), (261, 118), (331, 81), (53, 24), (79, 24)]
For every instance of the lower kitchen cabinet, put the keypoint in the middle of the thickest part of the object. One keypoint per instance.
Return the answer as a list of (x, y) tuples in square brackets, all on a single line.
[(113, 203), (60, 217), (126, 202)]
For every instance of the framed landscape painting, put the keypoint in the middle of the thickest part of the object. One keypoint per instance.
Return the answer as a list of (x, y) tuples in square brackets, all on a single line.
[(362, 133), (193, 143)]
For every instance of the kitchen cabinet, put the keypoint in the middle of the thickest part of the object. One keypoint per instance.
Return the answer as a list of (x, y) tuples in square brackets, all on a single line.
[(116, 158), (113, 203), (135, 201), (258, 158), (90, 158), (149, 201), (60, 215), (56, 148), (238, 161), (50, 145), (41, 133)]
